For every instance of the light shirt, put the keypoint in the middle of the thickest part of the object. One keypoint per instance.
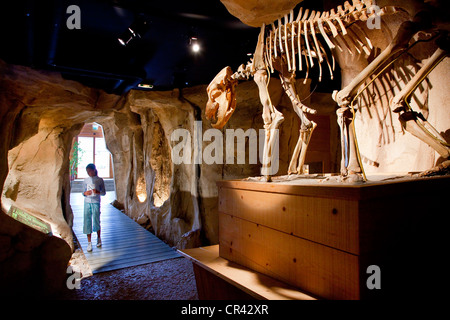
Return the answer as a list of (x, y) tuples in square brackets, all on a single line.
[(91, 183)]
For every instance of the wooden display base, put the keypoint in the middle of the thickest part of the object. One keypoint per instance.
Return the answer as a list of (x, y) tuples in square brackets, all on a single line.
[(322, 236), (220, 279)]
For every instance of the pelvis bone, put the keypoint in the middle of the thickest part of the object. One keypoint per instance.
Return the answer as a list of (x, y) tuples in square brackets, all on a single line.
[(221, 98)]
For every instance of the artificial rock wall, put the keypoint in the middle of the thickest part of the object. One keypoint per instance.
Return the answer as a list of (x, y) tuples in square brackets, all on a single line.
[(41, 113)]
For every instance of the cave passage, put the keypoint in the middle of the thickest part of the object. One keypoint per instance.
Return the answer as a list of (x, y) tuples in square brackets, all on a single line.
[(124, 242)]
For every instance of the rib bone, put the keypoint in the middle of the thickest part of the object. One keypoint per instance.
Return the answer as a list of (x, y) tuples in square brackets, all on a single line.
[(324, 34), (313, 32), (305, 15), (286, 42), (270, 50), (279, 36), (354, 36), (341, 12), (275, 41), (294, 63), (369, 43), (317, 49), (299, 46), (299, 14), (331, 69), (331, 25), (305, 32)]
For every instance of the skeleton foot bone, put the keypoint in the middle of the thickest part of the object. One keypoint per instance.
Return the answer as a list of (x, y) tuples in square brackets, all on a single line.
[(298, 158)]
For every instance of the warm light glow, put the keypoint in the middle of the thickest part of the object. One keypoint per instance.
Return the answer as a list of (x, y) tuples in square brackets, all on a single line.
[(196, 47), (158, 202), (141, 191), (142, 197), (145, 85)]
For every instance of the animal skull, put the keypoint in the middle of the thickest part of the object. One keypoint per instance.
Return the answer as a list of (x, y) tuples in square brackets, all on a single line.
[(221, 98)]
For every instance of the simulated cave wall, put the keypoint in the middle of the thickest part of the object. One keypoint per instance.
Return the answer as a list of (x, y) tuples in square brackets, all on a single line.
[(41, 113)]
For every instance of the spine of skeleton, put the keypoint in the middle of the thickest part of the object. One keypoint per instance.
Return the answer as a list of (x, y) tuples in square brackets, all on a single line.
[(291, 39)]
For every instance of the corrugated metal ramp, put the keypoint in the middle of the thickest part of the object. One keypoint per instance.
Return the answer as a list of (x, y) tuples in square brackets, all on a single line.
[(124, 242)]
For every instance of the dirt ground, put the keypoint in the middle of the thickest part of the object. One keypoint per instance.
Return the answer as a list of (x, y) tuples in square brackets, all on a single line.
[(165, 280)]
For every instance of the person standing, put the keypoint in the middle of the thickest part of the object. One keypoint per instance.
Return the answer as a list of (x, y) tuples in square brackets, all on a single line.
[(93, 187)]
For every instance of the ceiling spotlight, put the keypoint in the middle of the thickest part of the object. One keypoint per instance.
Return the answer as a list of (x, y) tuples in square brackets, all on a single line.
[(127, 36), (136, 30), (195, 45)]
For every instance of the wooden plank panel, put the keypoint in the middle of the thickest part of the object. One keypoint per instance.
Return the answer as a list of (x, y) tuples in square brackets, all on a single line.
[(333, 222), (376, 187), (212, 287), (315, 268), (304, 187), (253, 283)]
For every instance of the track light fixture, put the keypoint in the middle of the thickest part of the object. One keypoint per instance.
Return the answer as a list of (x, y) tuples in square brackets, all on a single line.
[(194, 44), (136, 30)]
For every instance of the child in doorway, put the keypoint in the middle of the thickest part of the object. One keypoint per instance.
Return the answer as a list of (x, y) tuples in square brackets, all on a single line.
[(93, 187)]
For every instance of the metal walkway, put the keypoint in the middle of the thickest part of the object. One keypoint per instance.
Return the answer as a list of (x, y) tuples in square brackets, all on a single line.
[(124, 242)]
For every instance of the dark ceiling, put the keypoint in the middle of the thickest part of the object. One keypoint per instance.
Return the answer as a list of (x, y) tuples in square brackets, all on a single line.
[(34, 33)]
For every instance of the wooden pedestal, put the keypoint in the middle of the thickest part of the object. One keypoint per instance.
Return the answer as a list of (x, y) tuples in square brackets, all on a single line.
[(322, 236), (220, 279)]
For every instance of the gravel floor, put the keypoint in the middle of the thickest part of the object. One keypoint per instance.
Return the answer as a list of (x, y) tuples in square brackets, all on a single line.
[(165, 280)]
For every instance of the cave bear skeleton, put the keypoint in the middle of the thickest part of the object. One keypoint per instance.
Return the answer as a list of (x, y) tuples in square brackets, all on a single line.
[(289, 44)]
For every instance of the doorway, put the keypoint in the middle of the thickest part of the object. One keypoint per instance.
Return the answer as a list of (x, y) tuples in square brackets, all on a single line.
[(91, 146)]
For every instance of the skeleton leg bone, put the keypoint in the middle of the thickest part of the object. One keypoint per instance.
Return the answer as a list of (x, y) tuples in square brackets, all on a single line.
[(306, 126), (299, 155), (272, 119), (350, 163), (413, 122)]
